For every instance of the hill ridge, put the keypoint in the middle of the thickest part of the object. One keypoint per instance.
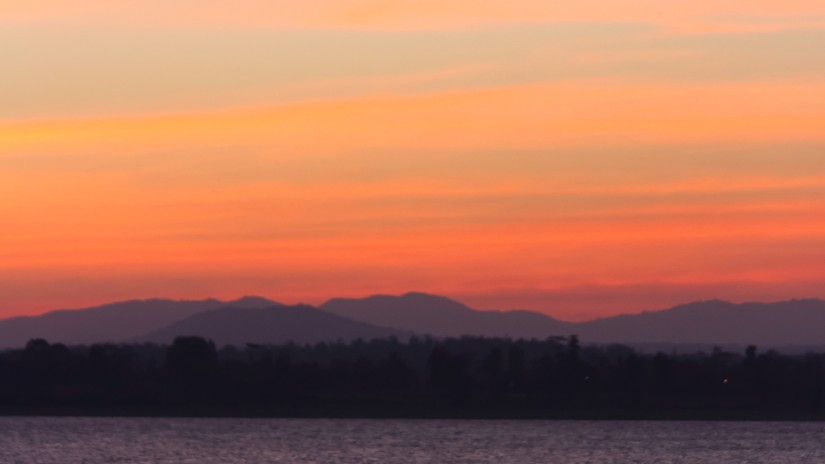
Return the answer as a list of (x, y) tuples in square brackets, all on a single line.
[(790, 322)]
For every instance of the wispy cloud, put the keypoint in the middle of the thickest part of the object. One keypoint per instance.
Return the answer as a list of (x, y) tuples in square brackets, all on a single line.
[(576, 113)]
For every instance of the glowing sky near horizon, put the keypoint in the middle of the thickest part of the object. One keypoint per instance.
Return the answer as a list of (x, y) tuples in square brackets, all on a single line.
[(578, 158)]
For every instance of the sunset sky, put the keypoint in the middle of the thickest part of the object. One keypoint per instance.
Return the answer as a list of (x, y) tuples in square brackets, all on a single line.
[(580, 158)]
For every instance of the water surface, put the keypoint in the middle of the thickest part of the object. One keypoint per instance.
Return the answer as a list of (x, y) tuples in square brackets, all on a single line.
[(44, 440)]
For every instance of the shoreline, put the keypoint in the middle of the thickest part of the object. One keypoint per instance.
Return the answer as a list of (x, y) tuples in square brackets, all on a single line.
[(613, 415)]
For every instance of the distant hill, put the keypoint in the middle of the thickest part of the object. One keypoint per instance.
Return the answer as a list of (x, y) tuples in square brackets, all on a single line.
[(443, 317), (116, 322), (273, 325), (794, 322), (785, 323)]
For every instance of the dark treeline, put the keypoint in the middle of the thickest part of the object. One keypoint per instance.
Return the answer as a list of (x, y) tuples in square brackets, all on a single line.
[(467, 377)]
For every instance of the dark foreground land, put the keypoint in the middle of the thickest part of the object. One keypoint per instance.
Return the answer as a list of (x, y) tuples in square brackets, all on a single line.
[(455, 378)]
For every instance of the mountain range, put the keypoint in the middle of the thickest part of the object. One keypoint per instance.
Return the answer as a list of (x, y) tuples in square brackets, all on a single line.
[(259, 320), (276, 324), (115, 322)]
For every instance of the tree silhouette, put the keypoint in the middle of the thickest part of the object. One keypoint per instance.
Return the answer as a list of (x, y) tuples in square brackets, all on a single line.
[(471, 376)]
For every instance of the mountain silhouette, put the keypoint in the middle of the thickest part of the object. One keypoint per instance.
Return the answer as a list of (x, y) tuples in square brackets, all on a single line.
[(273, 325), (115, 322), (259, 320), (794, 322), (442, 317)]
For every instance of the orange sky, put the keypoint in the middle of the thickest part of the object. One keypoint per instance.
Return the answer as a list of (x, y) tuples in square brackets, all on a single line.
[(553, 156)]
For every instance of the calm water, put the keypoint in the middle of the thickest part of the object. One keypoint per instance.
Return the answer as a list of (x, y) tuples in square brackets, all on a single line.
[(117, 440)]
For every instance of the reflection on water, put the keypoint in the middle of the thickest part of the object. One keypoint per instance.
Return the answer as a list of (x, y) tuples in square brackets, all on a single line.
[(159, 440)]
